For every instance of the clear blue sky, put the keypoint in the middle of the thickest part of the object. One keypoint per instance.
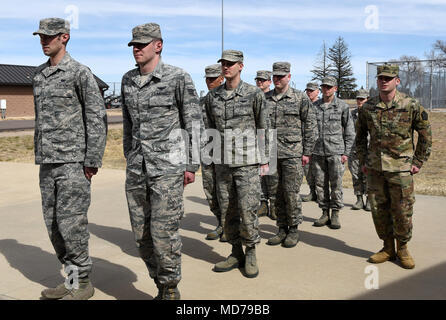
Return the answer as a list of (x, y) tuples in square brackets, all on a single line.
[(266, 31)]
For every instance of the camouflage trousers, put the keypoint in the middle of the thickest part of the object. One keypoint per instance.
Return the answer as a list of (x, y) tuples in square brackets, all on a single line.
[(309, 175), (264, 195), (210, 190), (65, 195), (328, 172), (238, 190), (394, 197), (288, 203), (156, 208), (359, 179)]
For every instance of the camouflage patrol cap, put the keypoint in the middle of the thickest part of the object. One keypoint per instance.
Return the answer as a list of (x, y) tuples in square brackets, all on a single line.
[(388, 70), (263, 74), (329, 81), (145, 33), (312, 86), (212, 71), (281, 68), (53, 26), (362, 94), (231, 55)]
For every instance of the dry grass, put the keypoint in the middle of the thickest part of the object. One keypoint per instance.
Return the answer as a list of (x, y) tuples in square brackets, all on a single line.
[(431, 180)]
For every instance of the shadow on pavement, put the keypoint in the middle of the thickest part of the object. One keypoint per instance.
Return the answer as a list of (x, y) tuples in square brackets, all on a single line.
[(428, 284), (330, 243), (44, 268), (198, 200), (192, 222), (124, 239), (199, 249), (118, 236), (322, 241)]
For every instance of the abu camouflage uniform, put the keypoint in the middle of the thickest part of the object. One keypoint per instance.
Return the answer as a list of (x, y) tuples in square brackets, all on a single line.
[(237, 170), (336, 137), (209, 181), (294, 118), (154, 109), (389, 158), (70, 134), (359, 179)]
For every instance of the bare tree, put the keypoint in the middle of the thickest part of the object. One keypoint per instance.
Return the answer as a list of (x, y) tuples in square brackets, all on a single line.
[(322, 65), (411, 72)]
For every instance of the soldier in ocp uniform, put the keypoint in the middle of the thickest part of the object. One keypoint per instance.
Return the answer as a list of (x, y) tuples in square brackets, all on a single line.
[(336, 137), (159, 101), (263, 81), (390, 161), (237, 109), (69, 142), (312, 91), (292, 115), (213, 78), (359, 179)]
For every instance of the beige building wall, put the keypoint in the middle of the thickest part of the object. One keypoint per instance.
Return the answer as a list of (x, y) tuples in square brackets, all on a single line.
[(19, 101)]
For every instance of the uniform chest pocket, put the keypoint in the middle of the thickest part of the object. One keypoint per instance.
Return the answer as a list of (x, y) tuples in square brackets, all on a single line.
[(61, 93), (335, 117), (242, 111), (161, 101), (291, 110)]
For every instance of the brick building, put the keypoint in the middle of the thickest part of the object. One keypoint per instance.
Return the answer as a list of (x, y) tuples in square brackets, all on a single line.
[(16, 88)]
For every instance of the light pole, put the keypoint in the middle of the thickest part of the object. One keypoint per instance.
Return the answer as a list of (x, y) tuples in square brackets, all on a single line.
[(222, 33)]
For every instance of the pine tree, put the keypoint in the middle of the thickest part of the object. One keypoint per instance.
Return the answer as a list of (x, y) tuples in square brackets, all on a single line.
[(342, 69)]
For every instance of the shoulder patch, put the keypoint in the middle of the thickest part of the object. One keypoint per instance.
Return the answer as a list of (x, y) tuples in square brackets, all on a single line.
[(424, 116)]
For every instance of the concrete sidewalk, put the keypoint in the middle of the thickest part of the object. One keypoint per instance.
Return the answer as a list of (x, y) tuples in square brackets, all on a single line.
[(326, 264)]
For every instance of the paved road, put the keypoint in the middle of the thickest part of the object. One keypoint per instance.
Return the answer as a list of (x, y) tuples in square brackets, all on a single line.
[(326, 264), (18, 125)]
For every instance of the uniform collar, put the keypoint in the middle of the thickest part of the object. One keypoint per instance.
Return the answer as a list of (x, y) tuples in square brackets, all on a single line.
[(157, 73), (394, 103), (62, 65), (221, 91)]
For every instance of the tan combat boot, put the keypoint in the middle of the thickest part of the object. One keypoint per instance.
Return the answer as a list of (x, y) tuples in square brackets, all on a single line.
[(334, 220), (251, 268), (55, 293), (235, 259), (403, 254), (279, 237), (387, 253), (84, 292), (323, 220), (215, 234)]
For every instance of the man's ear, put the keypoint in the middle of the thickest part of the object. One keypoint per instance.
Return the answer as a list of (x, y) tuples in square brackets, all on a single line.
[(158, 46)]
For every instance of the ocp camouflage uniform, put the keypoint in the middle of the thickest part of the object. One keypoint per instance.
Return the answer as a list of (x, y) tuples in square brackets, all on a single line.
[(237, 173), (70, 134), (389, 158), (336, 137), (153, 109), (359, 179), (294, 118)]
